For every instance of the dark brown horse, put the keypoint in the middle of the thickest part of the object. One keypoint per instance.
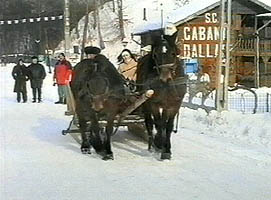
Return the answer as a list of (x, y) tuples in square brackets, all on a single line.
[(162, 71), (98, 93)]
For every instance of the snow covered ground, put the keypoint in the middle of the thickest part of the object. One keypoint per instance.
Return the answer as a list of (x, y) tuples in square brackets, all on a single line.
[(220, 156)]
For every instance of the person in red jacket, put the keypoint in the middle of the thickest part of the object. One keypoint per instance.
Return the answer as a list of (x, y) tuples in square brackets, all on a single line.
[(62, 77)]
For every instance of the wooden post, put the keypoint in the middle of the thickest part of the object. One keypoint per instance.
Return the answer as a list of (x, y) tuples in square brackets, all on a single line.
[(228, 56), (219, 88), (222, 88), (70, 101), (257, 70)]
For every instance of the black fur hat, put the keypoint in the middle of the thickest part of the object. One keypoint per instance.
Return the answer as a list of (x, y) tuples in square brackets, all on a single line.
[(92, 50), (62, 54), (34, 57)]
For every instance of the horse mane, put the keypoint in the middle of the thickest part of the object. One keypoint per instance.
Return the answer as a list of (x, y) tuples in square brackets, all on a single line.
[(145, 67)]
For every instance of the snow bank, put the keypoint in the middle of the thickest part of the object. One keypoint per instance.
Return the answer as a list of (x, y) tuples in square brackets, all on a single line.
[(245, 128)]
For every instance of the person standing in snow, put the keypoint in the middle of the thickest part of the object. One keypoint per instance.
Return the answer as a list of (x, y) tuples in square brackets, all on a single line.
[(62, 77), (19, 74), (37, 74), (128, 65)]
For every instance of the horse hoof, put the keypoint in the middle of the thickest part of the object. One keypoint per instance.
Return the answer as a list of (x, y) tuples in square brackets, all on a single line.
[(85, 151), (165, 156), (108, 157)]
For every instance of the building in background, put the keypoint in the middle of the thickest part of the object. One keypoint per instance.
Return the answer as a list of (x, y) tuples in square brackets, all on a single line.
[(198, 38)]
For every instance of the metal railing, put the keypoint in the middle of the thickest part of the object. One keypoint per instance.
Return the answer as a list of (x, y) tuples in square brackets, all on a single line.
[(240, 99)]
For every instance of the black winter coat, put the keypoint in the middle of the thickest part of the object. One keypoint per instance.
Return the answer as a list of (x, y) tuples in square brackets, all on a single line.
[(36, 73), (19, 73)]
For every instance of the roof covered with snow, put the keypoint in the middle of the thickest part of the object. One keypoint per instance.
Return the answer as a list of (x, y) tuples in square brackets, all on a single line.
[(188, 12)]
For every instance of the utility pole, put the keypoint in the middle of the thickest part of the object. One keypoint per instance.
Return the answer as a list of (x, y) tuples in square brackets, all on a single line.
[(223, 67), (66, 25)]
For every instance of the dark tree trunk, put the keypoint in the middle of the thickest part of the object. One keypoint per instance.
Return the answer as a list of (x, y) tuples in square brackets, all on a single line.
[(77, 32), (120, 14), (95, 19), (101, 42), (85, 31), (114, 5)]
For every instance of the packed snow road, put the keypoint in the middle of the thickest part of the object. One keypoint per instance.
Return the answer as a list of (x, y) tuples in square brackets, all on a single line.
[(37, 162)]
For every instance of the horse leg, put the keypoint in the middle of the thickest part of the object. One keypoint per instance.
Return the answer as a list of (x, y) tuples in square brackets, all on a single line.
[(109, 131), (159, 125), (96, 140), (166, 153), (163, 138), (149, 127), (85, 146)]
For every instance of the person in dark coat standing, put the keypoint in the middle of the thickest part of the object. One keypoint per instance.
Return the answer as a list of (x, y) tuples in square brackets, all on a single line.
[(19, 73), (37, 74)]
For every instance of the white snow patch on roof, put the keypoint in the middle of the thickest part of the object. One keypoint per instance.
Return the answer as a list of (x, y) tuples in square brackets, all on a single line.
[(185, 12)]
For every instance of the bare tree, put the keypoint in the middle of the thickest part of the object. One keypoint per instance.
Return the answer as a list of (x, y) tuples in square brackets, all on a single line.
[(47, 50), (85, 31), (77, 32), (114, 5), (120, 16), (101, 42), (95, 19)]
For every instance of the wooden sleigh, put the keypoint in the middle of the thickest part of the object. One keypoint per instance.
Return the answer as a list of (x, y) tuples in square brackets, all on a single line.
[(134, 122)]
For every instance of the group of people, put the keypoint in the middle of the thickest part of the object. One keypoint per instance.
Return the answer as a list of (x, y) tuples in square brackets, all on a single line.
[(35, 72)]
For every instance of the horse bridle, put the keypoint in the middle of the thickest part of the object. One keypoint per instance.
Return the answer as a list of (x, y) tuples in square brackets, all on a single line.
[(171, 66)]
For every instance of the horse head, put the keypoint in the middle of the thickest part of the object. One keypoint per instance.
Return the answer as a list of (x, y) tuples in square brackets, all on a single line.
[(96, 86), (164, 53)]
